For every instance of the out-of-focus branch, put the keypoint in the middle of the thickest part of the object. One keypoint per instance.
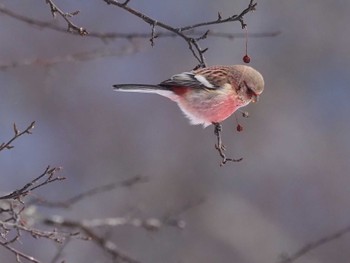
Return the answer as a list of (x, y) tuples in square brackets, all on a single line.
[(314, 245), (89, 193), (150, 224), (15, 220), (17, 134), (193, 44), (66, 16), (80, 56), (107, 245), (87, 226), (49, 173), (36, 233), (172, 217), (18, 253)]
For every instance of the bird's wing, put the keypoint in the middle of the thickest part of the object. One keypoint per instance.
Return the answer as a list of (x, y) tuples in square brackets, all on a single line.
[(189, 80)]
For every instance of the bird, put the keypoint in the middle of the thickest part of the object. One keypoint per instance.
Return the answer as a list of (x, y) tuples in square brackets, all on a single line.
[(207, 95)]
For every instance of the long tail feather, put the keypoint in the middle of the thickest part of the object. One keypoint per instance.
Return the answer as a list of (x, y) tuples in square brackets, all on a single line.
[(130, 87), (145, 88)]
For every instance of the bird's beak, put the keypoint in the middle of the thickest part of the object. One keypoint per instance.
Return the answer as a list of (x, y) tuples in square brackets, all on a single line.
[(255, 98)]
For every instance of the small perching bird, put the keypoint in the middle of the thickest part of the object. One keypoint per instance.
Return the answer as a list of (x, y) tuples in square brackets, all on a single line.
[(207, 95)]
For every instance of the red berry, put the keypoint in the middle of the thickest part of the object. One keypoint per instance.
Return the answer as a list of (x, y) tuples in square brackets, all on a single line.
[(239, 128), (246, 59)]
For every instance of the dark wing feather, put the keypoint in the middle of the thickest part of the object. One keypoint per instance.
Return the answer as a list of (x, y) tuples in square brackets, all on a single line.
[(188, 80), (216, 75)]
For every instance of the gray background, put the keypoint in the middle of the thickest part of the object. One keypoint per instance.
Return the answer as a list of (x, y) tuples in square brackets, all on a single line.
[(292, 186)]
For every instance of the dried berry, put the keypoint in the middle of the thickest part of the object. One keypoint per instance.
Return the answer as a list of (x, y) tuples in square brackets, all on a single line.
[(246, 59), (239, 128), (245, 114)]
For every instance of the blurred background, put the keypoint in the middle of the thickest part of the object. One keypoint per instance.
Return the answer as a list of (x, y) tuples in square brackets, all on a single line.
[(292, 186)]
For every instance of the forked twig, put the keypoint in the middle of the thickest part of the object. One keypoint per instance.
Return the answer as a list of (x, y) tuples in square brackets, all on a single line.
[(7, 145), (193, 43), (220, 147), (35, 183), (71, 26)]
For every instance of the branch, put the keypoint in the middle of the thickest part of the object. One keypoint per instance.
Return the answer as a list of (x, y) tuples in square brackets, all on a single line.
[(80, 56), (172, 218), (35, 183), (18, 253), (251, 7), (193, 44), (36, 233), (18, 134), (129, 36), (220, 147), (89, 193), (150, 224), (107, 245), (314, 245), (71, 26)]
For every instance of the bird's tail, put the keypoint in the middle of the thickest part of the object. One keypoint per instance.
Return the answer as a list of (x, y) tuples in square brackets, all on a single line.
[(137, 87), (145, 88)]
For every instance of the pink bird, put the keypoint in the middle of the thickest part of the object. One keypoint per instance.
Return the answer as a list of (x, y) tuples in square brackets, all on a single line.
[(207, 95)]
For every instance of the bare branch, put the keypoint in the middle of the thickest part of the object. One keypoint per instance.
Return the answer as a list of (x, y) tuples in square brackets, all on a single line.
[(71, 26), (35, 183), (115, 35), (193, 44), (18, 134), (314, 245), (220, 147)]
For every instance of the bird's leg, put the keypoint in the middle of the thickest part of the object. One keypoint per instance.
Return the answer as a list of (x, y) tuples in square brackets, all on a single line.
[(220, 147), (217, 132)]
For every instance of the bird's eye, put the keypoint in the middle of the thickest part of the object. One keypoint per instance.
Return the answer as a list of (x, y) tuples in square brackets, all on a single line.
[(249, 91)]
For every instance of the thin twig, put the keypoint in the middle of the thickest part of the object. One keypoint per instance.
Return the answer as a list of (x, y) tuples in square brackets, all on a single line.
[(18, 134), (220, 147), (220, 20), (71, 26), (193, 44), (34, 184)]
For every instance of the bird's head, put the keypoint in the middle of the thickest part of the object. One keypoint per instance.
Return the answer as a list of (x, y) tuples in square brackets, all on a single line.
[(250, 83)]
